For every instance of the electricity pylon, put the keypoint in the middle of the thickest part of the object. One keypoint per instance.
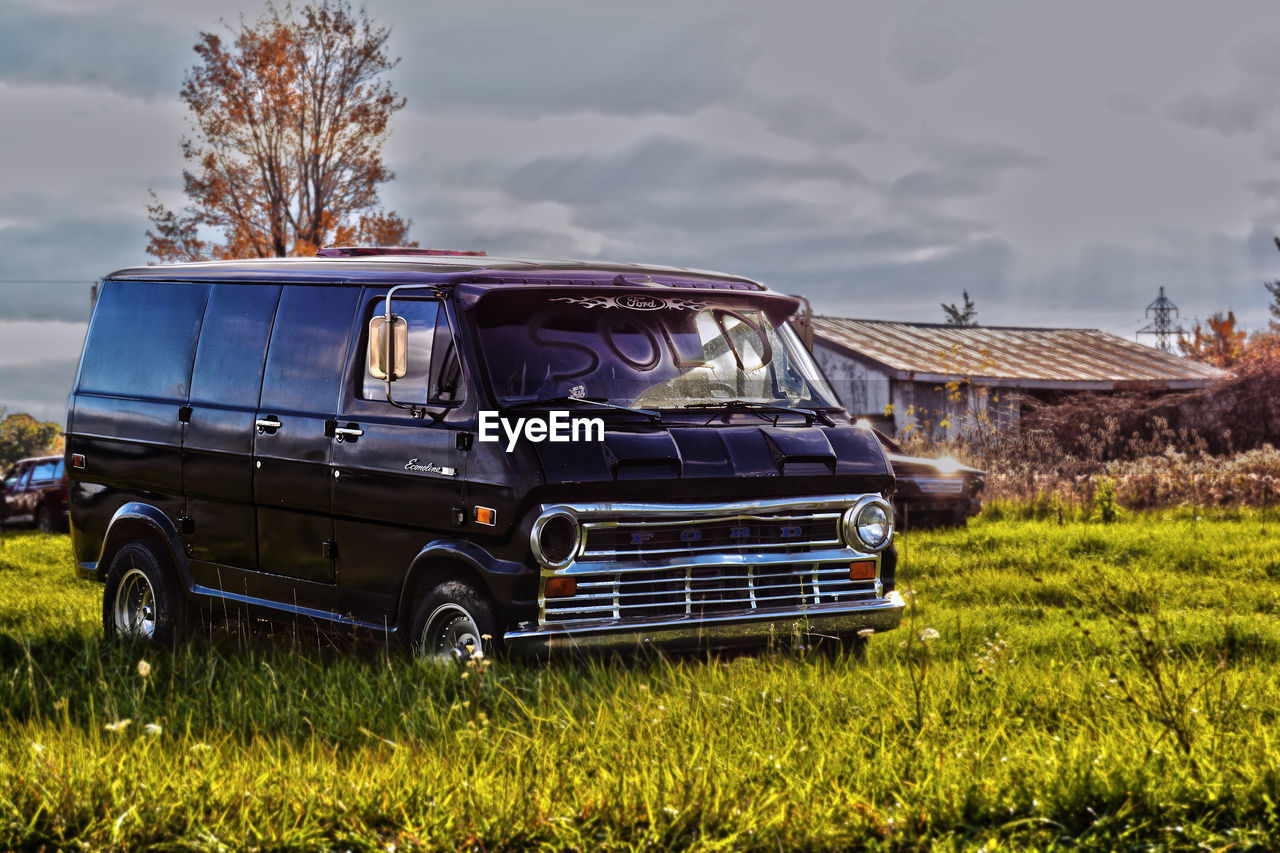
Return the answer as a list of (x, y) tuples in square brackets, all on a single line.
[(1162, 326)]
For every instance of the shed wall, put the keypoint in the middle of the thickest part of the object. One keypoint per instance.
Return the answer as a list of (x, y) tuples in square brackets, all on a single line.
[(863, 389)]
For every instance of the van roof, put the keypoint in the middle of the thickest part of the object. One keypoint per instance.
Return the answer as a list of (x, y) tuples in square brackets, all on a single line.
[(372, 266)]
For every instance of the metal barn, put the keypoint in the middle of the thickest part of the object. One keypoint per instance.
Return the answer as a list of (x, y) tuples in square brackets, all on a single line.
[(939, 377)]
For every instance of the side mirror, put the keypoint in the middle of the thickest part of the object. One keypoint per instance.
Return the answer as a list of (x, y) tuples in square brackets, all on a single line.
[(388, 353)]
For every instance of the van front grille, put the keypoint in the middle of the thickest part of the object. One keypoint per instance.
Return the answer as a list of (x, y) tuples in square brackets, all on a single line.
[(641, 538), (705, 590)]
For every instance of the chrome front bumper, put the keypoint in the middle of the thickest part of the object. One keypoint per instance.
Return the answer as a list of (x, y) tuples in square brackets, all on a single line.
[(720, 631)]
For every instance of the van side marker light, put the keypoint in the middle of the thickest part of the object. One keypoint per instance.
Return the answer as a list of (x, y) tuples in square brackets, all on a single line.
[(485, 515)]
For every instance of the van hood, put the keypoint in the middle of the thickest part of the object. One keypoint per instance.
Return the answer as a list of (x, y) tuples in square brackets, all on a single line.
[(769, 455)]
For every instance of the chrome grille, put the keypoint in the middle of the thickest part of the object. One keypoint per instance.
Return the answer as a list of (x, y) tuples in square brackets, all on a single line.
[(640, 538), (703, 590), (641, 563), (939, 485)]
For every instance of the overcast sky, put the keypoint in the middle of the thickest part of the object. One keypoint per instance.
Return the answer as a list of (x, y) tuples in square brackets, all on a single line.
[(1060, 162)]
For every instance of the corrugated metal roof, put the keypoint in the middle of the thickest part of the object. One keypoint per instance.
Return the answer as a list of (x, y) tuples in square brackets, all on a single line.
[(1046, 358)]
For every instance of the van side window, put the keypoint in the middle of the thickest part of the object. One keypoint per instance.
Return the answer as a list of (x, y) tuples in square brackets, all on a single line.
[(143, 339), (434, 368)]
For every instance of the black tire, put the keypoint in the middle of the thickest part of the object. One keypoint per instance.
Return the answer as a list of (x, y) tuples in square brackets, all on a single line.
[(454, 621), (43, 522), (141, 600)]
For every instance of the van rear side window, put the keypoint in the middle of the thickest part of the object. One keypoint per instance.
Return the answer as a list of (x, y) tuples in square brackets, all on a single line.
[(143, 339)]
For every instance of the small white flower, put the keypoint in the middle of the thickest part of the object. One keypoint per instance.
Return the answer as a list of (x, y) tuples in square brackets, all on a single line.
[(37, 747), (928, 635), (118, 725), (144, 668), (153, 730)]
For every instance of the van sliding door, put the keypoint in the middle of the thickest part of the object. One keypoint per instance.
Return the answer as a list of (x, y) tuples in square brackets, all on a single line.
[(217, 450)]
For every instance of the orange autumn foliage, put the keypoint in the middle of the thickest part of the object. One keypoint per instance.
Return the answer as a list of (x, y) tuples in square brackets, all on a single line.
[(289, 121), (1219, 343)]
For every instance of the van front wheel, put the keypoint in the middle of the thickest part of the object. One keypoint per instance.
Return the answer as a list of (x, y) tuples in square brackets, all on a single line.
[(455, 621), (139, 600)]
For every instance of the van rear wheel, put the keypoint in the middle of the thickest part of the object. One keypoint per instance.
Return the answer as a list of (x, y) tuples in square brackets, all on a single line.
[(43, 523), (140, 600), (454, 622)]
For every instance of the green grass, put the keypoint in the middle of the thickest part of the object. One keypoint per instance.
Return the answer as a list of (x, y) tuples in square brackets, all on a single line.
[(1041, 717)]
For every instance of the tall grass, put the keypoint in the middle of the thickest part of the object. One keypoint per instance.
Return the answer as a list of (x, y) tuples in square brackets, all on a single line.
[(1089, 685)]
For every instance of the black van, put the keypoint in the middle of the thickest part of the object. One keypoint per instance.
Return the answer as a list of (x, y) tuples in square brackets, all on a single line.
[(466, 451)]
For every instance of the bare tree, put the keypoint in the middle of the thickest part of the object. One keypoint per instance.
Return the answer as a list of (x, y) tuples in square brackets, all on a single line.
[(289, 122)]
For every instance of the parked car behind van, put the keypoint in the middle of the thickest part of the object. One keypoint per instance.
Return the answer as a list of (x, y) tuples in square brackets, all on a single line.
[(35, 494), (468, 452), (932, 492)]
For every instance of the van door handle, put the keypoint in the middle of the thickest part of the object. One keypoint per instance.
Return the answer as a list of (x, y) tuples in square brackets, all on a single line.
[(269, 424), (348, 433)]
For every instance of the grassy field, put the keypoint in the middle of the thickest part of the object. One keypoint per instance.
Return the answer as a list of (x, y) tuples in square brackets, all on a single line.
[(1089, 686)]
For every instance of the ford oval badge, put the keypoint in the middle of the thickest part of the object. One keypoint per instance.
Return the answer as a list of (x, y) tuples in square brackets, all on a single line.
[(639, 302)]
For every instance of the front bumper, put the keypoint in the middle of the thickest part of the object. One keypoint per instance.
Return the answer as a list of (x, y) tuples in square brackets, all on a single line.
[(720, 631)]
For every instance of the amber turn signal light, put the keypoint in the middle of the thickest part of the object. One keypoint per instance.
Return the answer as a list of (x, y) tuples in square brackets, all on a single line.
[(560, 588), (485, 515), (862, 570)]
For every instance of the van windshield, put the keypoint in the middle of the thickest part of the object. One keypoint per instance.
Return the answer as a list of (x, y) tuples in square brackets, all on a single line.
[(655, 352)]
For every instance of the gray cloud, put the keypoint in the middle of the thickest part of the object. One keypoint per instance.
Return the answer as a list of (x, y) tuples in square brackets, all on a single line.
[(850, 286), (125, 53), (654, 166), (927, 52), (1228, 113), (1129, 103), (963, 169), (810, 120), (1267, 188), (1248, 105), (535, 60), (61, 300), (1259, 58), (75, 249), (39, 388)]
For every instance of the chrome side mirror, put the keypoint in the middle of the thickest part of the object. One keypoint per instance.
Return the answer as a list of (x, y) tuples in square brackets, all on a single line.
[(388, 353)]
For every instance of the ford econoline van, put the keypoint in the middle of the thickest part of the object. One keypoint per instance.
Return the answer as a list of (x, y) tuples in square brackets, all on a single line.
[(468, 452)]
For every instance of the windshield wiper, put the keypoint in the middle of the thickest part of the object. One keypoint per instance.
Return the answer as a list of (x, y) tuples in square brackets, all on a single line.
[(810, 415), (654, 417)]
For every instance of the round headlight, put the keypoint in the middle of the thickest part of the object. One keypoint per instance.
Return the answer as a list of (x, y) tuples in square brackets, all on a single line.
[(869, 524), (554, 538)]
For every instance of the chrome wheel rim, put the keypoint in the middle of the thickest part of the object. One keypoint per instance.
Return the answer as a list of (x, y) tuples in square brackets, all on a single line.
[(134, 610), (450, 633)]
